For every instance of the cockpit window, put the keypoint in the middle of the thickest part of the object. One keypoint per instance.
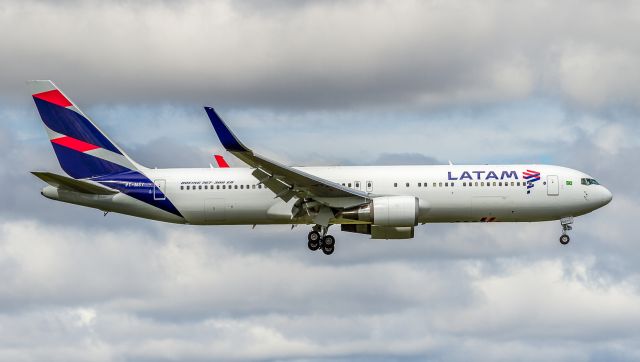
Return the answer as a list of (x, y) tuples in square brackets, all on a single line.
[(589, 181)]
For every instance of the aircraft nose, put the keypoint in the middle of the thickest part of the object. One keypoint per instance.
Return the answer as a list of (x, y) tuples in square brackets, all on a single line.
[(605, 196), (608, 196)]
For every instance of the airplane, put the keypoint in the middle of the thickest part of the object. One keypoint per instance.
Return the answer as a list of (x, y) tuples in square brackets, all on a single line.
[(384, 202)]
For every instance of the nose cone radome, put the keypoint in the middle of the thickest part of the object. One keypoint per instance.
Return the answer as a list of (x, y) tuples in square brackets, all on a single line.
[(604, 196)]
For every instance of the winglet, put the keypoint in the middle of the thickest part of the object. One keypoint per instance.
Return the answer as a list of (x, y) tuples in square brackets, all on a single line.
[(227, 138)]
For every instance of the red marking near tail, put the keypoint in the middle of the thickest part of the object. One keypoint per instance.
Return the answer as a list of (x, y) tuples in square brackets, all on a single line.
[(53, 96), (74, 144), (221, 162)]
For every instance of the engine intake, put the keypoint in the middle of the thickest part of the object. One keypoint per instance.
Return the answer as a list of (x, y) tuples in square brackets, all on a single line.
[(387, 211)]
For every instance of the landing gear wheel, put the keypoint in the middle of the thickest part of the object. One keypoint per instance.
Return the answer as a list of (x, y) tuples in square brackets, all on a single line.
[(313, 245), (328, 250), (314, 236), (564, 239), (329, 240)]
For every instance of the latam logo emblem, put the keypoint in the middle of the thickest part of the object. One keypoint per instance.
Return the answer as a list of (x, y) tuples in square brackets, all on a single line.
[(531, 177)]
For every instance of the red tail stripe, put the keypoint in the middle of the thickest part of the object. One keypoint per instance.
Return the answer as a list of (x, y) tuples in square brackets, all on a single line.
[(221, 162), (74, 144), (53, 96)]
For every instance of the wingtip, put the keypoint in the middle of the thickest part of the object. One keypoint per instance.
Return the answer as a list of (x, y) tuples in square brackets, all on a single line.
[(226, 136)]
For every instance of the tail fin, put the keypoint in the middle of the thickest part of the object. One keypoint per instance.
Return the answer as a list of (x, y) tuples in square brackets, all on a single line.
[(82, 149), (222, 163)]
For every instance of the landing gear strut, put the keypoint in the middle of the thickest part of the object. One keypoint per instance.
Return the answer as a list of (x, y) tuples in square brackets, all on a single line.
[(318, 238), (566, 226)]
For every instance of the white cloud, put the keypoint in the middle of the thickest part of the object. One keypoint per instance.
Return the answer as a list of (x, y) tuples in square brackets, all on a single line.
[(187, 295)]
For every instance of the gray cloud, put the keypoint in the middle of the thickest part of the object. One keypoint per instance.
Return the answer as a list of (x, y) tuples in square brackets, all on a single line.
[(322, 55), (314, 83)]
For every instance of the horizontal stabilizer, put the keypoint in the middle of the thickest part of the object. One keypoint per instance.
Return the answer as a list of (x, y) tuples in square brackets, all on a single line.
[(68, 183)]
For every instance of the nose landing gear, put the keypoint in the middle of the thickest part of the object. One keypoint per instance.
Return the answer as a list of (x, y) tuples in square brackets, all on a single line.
[(318, 238), (566, 226)]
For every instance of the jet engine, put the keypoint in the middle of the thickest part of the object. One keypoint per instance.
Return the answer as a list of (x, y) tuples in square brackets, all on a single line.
[(396, 211)]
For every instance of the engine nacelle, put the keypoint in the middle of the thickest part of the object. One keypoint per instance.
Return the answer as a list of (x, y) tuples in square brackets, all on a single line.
[(380, 232), (395, 211)]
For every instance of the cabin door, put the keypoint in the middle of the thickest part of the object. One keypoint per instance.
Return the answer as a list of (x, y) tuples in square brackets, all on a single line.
[(553, 187), (159, 189)]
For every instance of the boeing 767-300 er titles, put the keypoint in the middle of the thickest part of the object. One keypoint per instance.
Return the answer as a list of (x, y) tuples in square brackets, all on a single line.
[(385, 202)]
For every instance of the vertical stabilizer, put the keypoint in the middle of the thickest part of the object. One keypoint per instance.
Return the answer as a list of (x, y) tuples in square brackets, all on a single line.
[(83, 150)]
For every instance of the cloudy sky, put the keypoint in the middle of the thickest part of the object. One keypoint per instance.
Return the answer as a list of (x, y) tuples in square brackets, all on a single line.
[(324, 82)]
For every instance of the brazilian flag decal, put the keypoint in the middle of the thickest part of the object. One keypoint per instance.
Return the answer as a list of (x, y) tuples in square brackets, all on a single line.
[(569, 183)]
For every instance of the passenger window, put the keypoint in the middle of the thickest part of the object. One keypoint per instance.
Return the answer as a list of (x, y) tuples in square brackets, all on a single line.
[(188, 187), (477, 183), (395, 184), (464, 184), (253, 187), (217, 187), (452, 184), (181, 187), (494, 183), (357, 185), (419, 184), (349, 184), (512, 183), (434, 184), (481, 183), (369, 184), (499, 183), (407, 184), (439, 184)]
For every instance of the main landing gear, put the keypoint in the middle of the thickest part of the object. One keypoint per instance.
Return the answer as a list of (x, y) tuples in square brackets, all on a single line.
[(566, 226), (318, 239)]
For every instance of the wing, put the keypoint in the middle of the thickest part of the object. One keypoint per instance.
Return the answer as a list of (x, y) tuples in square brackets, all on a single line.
[(283, 180)]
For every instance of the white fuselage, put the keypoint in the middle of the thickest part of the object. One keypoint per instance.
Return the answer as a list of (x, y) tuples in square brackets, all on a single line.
[(450, 193)]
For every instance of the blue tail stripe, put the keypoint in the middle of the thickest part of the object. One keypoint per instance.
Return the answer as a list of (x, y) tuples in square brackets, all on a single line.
[(73, 124), (138, 186), (81, 165)]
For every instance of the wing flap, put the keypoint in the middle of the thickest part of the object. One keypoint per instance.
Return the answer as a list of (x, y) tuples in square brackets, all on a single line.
[(71, 184), (273, 183)]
